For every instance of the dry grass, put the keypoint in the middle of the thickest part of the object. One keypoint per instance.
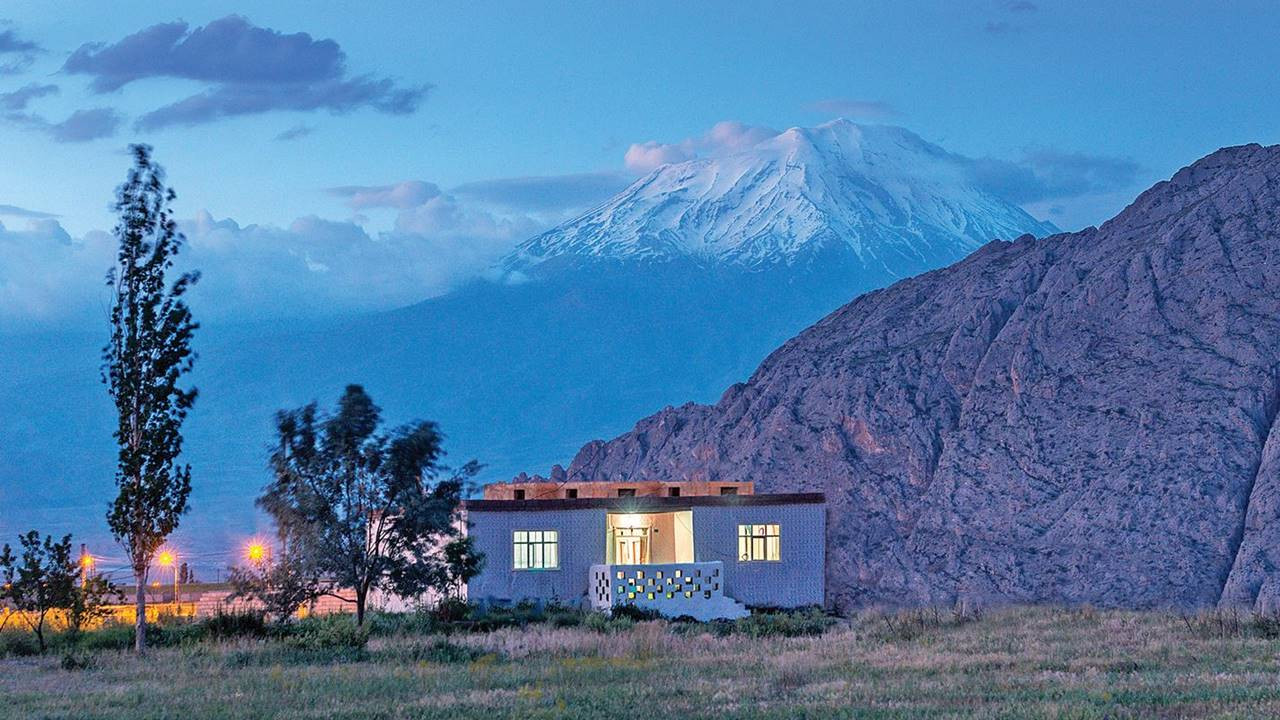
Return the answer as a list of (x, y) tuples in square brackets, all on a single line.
[(1024, 662)]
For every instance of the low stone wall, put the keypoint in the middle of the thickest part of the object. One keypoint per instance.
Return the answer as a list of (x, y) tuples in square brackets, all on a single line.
[(673, 589)]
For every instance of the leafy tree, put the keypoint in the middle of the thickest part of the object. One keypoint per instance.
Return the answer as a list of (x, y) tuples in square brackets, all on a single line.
[(149, 353), (42, 580), (461, 563), (88, 601), (282, 585), (361, 509)]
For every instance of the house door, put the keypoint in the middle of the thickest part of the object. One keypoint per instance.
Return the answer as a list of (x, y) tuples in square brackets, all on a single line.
[(631, 546)]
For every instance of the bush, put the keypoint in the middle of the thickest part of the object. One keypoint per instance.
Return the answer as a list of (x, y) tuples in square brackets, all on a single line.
[(74, 661), (110, 637), (599, 622), (452, 610), (327, 634), (226, 626), (18, 644), (329, 638), (760, 624), (911, 624), (635, 613), (419, 622), (795, 623), (1233, 623)]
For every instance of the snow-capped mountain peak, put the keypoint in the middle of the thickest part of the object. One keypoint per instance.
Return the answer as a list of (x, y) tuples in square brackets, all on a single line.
[(890, 201)]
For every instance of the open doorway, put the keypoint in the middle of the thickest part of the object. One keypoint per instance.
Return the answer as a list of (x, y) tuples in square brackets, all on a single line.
[(650, 538)]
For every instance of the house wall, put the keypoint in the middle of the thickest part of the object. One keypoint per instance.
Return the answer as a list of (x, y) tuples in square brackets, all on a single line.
[(582, 544), (797, 580)]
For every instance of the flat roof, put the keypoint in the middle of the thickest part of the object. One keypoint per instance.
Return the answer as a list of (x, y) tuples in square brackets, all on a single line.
[(645, 503)]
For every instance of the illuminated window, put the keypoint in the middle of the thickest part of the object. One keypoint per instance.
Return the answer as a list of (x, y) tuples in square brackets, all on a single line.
[(759, 542), (536, 549)]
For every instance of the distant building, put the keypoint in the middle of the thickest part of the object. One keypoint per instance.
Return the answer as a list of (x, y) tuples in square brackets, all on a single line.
[(703, 549)]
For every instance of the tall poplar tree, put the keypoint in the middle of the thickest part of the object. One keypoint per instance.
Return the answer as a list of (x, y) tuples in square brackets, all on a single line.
[(149, 353)]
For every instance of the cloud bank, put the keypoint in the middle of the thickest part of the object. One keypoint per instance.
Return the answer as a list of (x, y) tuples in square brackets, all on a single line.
[(18, 100), (249, 70), (16, 54), (80, 126)]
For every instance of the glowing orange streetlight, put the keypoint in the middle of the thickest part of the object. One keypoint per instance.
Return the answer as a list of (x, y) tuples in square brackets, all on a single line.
[(86, 567), (167, 559), (257, 552)]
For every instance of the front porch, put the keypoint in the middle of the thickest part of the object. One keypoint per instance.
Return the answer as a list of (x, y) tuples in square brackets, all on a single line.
[(650, 563), (673, 589)]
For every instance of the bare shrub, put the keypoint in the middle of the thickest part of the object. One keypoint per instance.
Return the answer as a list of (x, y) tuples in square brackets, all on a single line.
[(912, 623), (1223, 623)]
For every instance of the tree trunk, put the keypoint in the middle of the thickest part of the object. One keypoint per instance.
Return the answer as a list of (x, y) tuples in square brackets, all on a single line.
[(360, 598), (140, 609)]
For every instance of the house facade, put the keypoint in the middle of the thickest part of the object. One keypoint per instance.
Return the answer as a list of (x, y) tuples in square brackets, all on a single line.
[(707, 550)]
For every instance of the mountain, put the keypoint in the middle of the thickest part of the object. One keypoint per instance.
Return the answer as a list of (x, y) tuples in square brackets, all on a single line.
[(880, 196), (1086, 418), (519, 373)]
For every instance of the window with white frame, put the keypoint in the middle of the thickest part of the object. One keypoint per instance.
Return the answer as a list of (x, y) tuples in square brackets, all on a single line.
[(759, 543), (536, 549)]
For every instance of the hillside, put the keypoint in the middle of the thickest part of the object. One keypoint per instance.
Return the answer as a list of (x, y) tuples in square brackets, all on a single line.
[(1084, 418)]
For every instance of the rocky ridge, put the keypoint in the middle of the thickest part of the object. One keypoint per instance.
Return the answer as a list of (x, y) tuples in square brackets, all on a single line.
[(1086, 418)]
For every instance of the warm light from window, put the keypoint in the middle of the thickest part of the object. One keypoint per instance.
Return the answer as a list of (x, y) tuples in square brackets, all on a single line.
[(628, 521)]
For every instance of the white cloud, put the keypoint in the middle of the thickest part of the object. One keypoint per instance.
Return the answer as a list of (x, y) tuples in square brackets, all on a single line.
[(313, 267), (646, 156), (724, 138), (402, 195), (317, 266), (46, 273)]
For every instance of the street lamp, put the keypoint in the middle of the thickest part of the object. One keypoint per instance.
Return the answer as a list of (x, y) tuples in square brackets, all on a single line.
[(257, 552), (166, 560), (86, 567)]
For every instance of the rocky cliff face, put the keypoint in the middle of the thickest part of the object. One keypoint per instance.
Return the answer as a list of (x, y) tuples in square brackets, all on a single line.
[(1084, 418)]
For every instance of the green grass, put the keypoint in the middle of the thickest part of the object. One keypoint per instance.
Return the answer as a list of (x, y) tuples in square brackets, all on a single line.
[(1020, 662)]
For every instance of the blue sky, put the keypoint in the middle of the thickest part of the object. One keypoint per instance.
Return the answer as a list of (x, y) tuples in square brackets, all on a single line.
[(504, 118)]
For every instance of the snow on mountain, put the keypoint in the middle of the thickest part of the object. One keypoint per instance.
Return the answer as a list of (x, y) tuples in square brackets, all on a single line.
[(894, 202)]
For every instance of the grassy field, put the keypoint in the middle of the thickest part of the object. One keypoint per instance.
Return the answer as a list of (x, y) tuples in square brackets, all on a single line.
[(1021, 662)]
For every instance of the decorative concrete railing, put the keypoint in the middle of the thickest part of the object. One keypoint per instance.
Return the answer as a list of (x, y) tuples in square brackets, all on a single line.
[(674, 589)]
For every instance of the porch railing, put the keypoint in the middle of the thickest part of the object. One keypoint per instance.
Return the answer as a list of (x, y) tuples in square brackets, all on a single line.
[(674, 589)]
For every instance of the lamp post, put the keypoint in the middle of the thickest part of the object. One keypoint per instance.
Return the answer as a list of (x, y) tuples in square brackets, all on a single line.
[(86, 565), (167, 559)]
